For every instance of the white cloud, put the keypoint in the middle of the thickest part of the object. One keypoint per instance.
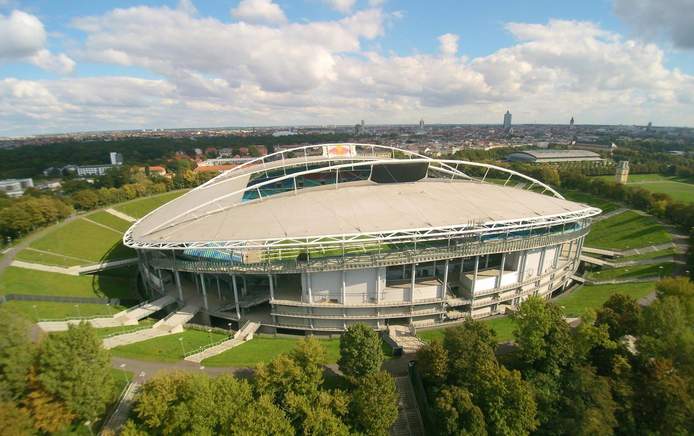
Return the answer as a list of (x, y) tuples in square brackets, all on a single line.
[(344, 6), (259, 11), (652, 18), (448, 44), (23, 38)]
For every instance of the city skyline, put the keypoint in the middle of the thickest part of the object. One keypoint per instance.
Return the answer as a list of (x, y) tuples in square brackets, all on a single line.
[(69, 68)]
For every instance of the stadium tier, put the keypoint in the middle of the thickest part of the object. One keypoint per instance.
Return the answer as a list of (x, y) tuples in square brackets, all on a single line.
[(320, 237)]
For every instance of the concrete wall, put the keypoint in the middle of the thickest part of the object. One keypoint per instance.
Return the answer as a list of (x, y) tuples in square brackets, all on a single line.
[(361, 286)]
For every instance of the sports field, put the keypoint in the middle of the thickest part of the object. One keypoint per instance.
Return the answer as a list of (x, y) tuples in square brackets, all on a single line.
[(627, 230), (678, 189), (142, 206)]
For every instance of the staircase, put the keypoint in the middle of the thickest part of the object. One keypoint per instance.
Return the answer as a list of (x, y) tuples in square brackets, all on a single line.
[(170, 325), (405, 338), (244, 334)]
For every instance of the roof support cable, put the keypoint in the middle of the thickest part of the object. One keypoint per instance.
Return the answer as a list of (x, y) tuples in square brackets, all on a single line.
[(485, 175), (507, 180)]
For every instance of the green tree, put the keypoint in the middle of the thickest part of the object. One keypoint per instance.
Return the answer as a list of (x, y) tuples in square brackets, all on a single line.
[(470, 348), (76, 368), (375, 403), (432, 363), (15, 420), (85, 199), (360, 352), (16, 355), (622, 315), (456, 414), (262, 418)]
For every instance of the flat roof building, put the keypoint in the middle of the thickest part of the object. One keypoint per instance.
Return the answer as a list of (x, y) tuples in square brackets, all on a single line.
[(540, 156), (15, 187)]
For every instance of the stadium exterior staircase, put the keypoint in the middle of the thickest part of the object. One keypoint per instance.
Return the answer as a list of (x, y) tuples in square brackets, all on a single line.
[(244, 334)]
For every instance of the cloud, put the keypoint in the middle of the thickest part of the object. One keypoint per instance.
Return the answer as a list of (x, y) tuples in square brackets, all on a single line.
[(344, 6), (259, 11), (448, 44), (23, 38), (652, 18)]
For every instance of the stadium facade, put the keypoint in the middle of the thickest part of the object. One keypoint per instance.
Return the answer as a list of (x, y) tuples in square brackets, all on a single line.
[(320, 237)]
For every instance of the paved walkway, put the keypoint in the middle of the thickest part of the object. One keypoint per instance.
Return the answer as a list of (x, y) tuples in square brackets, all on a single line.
[(74, 270), (409, 422), (610, 214), (120, 215)]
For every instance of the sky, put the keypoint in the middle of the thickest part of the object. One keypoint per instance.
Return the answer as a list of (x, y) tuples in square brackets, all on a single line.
[(70, 66)]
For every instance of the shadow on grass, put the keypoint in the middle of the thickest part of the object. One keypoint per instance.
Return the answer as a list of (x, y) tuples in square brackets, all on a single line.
[(121, 283)]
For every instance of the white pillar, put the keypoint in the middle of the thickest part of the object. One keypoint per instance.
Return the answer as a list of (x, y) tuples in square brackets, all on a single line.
[(272, 287), (379, 284), (474, 276), (244, 291), (204, 292), (414, 272), (462, 264), (236, 296), (308, 287), (445, 279), (501, 270), (179, 288), (343, 290), (521, 269), (541, 263)]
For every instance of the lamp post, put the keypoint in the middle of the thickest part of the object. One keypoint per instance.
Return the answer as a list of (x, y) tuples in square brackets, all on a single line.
[(180, 341), (209, 335), (125, 374), (36, 312), (229, 324), (79, 314), (88, 424), (660, 272)]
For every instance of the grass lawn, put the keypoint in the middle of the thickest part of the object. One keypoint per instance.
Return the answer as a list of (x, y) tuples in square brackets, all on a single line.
[(117, 283), (33, 256), (678, 189), (106, 331), (589, 297), (50, 310), (142, 206), (627, 230), (81, 239), (167, 348), (633, 271), (503, 327), (107, 219), (651, 255), (589, 199), (264, 349)]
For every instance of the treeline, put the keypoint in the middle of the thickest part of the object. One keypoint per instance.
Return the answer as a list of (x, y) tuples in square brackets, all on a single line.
[(25, 214), (627, 370), (56, 385), (31, 160), (289, 395)]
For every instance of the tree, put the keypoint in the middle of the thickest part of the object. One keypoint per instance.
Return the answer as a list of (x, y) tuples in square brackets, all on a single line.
[(360, 352), (85, 199), (622, 315), (456, 414), (542, 336), (15, 421), (322, 416), (375, 403), (432, 363), (76, 369), (263, 418), (16, 355), (507, 403), (50, 414), (470, 348)]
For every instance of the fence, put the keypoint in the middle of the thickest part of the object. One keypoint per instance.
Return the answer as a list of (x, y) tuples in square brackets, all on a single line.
[(56, 299), (421, 396)]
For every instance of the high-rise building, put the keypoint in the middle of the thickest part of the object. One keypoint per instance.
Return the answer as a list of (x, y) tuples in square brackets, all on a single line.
[(421, 124), (622, 172), (116, 158), (571, 123), (507, 121)]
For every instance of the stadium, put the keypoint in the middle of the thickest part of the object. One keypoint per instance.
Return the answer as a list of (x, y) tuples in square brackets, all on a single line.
[(320, 237)]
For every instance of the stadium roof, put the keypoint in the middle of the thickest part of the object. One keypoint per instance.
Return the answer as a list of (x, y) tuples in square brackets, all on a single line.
[(553, 155)]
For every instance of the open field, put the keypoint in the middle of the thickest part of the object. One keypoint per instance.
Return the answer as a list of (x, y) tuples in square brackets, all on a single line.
[(627, 230), (633, 271), (142, 206), (589, 199), (35, 310), (34, 256), (651, 255), (117, 283), (264, 349), (589, 297), (503, 327), (167, 348), (107, 219), (81, 243), (678, 189)]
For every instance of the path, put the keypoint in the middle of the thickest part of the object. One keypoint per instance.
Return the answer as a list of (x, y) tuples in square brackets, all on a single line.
[(244, 334), (409, 422), (170, 325), (607, 215), (120, 215), (74, 270)]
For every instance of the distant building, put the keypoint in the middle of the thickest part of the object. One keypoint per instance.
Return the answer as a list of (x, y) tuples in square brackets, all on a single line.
[(15, 187), (622, 172), (571, 123), (649, 127), (507, 121), (284, 133), (116, 158), (159, 170), (595, 147), (421, 124), (542, 156)]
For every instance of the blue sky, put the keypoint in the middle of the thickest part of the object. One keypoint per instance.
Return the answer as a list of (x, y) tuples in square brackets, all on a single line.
[(333, 61)]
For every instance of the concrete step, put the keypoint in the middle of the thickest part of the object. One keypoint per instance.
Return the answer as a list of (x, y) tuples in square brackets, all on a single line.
[(213, 351), (145, 309), (138, 336)]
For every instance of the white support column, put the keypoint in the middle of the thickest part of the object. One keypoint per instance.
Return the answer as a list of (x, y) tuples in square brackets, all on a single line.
[(445, 280), (555, 262), (379, 284), (474, 277), (414, 274), (541, 263), (161, 282), (179, 288), (343, 292), (219, 290), (501, 270), (460, 275), (308, 287), (204, 292), (236, 297), (272, 287), (244, 291)]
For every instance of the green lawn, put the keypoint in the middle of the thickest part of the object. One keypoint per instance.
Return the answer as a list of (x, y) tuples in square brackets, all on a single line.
[(50, 310), (117, 283), (627, 230), (106, 331), (81, 239), (589, 297), (502, 326), (264, 349), (651, 255), (167, 348), (142, 206), (589, 199), (33, 256), (633, 271), (678, 189), (107, 219)]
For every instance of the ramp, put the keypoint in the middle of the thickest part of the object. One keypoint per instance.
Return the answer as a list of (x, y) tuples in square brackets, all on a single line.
[(241, 336), (601, 252), (145, 309), (594, 260), (409, 422)]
